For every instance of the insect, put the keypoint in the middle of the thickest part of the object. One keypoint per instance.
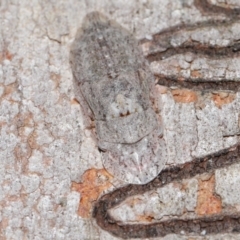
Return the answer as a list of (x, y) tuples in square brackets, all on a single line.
[(116, 82)]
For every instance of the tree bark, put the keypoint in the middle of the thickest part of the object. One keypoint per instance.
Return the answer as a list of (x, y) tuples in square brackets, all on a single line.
[(52, 181)]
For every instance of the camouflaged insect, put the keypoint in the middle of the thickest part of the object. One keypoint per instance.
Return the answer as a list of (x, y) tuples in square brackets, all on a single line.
[(115, 80)]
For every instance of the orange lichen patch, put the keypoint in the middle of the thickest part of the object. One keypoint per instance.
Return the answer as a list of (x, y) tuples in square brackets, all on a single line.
[(223, 98), (182, 79), (196, 74), (207, 202), (56, 78), (22, 152), (47, 161), (145, 218), (25, 125), (179, 69), (160, 89), (74, 101), (184, 95), (32, 140), (4, 223), (95, 181), (8, 90), (2, 123), (5, 55), (133, 201), (8, 55)]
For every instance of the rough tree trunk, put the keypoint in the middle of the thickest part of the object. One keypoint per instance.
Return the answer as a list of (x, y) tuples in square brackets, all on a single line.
[(51, 173)]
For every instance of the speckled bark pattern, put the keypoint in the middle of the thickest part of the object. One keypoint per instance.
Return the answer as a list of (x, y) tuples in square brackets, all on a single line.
[(51, 172)]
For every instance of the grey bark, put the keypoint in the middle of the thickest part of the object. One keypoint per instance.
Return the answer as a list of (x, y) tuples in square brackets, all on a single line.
[(47, 142)]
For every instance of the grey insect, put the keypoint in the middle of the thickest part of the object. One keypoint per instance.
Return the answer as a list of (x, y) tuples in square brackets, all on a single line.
[(115, 80)]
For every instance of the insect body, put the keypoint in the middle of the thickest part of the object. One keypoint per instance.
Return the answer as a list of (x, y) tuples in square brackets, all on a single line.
[(116, 82)]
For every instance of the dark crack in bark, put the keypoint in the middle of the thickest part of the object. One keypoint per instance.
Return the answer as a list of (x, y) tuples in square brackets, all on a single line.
[(160, 48), (207, 225), (207, 8), (232, 50), (198, 84)]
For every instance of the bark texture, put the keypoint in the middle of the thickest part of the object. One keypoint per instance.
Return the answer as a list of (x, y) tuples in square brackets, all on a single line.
[(52, 181)]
